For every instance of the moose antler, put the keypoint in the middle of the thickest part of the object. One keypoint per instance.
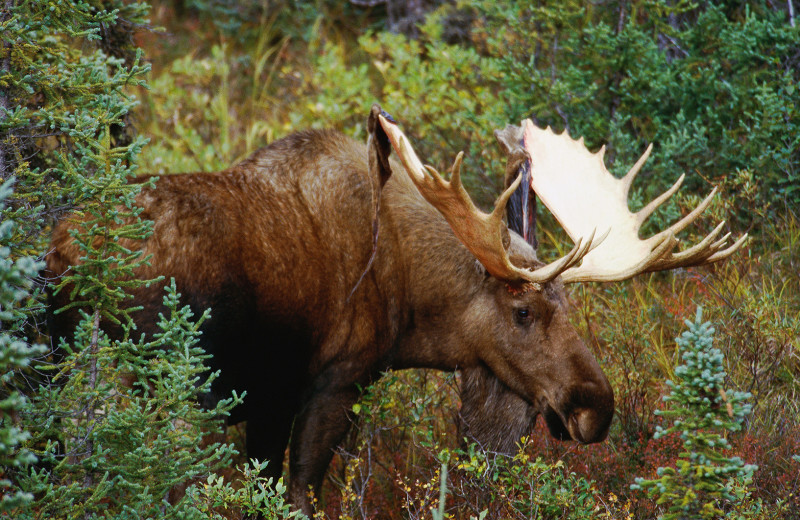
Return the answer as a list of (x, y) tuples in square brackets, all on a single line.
[(577, 188), (485, 235)]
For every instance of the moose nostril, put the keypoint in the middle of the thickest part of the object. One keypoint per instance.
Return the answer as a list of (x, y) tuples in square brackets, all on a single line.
[(575, 428), (586, 427)]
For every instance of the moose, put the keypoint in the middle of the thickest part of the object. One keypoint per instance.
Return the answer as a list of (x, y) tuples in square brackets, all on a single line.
[(326, 262)]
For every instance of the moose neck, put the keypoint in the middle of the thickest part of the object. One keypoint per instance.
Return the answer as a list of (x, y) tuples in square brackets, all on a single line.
[(441, 279)]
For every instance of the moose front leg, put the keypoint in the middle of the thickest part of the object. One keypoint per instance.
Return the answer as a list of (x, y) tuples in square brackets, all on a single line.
[(320, 426)]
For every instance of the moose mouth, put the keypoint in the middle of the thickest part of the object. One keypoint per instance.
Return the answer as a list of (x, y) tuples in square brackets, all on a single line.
[(555, 424)]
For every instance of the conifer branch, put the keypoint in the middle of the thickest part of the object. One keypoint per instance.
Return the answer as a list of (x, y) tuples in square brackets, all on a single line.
[(5, 67)]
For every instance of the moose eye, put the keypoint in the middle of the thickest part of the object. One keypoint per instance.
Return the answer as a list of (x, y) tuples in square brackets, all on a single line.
[(522, 315)]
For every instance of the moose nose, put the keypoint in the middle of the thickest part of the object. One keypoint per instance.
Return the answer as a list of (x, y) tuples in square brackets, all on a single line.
[(591, 414), (587, 426)]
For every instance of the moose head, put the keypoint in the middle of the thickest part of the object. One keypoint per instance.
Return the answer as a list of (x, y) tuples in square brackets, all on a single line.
[(547, 370)]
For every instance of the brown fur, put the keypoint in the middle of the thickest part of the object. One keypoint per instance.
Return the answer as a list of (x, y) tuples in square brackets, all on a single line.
[(276, 244)]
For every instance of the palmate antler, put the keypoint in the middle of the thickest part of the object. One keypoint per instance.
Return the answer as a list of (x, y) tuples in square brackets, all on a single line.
[(583, 196), (483, 234), (577, 188)]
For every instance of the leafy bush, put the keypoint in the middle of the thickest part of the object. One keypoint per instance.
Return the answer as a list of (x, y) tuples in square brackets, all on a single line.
[(194, 130), (522, 486), (254, 496), (389, 461), (396, 458), (714, 86)]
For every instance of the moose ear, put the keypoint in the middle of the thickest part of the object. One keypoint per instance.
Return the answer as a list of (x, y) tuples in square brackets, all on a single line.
[(510, 142), (378, 146), (378, 150), (508, 138), (481, 270)]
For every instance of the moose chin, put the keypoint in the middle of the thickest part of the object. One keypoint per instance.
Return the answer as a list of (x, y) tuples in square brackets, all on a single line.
[(326, 261)]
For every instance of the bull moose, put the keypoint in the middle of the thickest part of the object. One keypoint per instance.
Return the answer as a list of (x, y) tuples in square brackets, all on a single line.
[(326, 262)]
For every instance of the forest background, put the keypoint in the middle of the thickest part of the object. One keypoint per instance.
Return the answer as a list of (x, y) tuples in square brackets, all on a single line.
[(92, 93)]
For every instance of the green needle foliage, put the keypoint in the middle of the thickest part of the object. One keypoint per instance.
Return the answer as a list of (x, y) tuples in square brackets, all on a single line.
[(15, 355), (117, 428), (63, 106), (703, 480), (125, 441)]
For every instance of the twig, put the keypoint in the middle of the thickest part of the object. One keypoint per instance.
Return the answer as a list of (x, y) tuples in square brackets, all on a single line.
[(90, 417)]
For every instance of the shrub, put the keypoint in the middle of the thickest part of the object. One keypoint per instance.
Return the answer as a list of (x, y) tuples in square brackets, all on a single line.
[(124, 434), (116, 425), (714, 86), (521, 486), (253, 496)]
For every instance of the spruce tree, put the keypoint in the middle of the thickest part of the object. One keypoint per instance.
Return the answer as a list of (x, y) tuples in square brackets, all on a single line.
[(120, 451), (15, 355), (106, 448), (703, 413)]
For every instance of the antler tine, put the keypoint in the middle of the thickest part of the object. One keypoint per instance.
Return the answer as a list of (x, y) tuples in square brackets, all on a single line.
[(553, 269), (721, 242), (485, 235), (692, 216), (711, 236), (695, 255), (413, 165), (722, 255), (648, 210), (455, 170), (579, 274), (628, 179), (710, 255), (481, 233), (581, 193)]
